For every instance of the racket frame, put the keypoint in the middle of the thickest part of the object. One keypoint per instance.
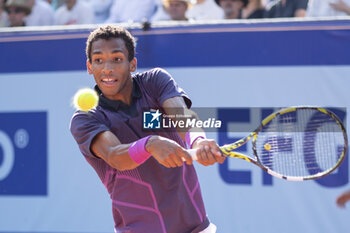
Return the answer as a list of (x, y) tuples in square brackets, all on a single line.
[(227, 150)]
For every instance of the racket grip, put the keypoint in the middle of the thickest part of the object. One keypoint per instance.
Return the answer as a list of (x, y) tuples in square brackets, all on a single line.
[(193, 153)]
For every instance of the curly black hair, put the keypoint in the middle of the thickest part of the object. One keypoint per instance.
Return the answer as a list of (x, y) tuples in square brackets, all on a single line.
[(107, 32)]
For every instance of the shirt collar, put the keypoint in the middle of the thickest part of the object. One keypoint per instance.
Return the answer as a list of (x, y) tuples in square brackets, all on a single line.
[(116, 105)]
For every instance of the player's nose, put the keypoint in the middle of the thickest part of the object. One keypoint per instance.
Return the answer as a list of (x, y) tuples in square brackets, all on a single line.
[(107, 68)]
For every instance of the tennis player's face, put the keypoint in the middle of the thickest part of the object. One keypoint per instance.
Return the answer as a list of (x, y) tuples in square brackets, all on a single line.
[(111, 68)]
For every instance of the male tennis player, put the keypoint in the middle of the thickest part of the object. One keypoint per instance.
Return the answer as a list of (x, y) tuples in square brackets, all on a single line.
[(151, 187)]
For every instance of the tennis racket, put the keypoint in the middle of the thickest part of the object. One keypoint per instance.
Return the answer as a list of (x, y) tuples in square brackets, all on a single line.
[(296, 143)]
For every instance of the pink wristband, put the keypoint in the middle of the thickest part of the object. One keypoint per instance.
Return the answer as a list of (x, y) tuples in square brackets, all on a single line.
[(138, 152), (191, 137)]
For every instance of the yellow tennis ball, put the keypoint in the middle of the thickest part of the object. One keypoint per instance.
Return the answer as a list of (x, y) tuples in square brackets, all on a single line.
[(85, 99), (267, 146)]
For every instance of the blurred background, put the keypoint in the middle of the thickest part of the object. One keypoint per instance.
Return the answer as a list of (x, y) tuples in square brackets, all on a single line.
[(242, 59)]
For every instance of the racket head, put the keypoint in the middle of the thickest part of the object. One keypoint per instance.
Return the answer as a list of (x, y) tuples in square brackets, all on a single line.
[(300, 143)]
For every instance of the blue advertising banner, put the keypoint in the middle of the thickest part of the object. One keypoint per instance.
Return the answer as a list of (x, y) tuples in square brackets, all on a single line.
[(23, 154)]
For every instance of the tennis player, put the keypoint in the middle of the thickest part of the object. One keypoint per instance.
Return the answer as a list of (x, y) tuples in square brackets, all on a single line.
[(148, 173)]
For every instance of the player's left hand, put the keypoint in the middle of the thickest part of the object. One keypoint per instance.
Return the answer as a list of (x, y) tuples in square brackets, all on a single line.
[(208, 152)]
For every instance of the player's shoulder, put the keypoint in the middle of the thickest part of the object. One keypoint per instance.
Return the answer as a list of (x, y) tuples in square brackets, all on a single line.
[(153, 78), (152, 75), (93, 115)]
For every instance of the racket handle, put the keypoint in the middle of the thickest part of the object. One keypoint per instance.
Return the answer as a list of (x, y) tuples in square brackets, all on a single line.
[(193, 154)]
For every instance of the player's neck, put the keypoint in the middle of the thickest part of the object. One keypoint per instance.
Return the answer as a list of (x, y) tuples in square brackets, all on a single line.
[(125, 94)]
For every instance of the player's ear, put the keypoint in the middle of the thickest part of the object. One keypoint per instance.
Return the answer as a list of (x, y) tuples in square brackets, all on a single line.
[(88, 66), (133, 64)]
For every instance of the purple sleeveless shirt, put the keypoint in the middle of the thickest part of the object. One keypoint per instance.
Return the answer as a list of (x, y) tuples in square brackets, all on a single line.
[(150, 198)]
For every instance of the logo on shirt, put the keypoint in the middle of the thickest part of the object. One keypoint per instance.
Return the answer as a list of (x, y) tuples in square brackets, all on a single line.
[(151, 119)]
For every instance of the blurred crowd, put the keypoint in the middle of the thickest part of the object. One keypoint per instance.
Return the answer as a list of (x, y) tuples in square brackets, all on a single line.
[(66, 12)]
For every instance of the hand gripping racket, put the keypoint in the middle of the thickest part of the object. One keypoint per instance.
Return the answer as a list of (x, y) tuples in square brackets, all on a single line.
[(296, 143)]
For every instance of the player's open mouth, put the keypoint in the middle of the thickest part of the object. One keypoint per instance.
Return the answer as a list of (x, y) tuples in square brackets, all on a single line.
[(109, 81)]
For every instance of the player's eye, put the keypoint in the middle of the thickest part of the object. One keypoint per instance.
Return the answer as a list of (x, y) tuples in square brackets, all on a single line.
[(98, 60), (118, 59)]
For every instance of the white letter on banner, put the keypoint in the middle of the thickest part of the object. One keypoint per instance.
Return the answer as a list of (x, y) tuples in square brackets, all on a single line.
[(8, 155)]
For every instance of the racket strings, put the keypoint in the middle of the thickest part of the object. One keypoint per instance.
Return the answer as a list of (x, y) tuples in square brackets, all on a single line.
[(300, 143)]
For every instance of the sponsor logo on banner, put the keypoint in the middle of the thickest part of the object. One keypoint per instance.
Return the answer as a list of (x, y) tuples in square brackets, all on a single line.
[(23, 153)]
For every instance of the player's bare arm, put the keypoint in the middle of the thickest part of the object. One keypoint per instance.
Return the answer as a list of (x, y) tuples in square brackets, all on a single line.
[(167, 152), (208, 151), (108, 147)]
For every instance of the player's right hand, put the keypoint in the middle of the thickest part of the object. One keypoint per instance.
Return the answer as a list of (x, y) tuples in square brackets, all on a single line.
[(167, 152)]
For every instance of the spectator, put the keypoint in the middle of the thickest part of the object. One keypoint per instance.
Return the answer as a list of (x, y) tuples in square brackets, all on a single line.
[(318, 8), (177, 8), (286, 8), (3, 15), (42, 13), (17, 11), (254, 9), (55, 3), (131, 10), (205, 9), (232, 8), (74, 12), (161, 14), (101, 9)]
